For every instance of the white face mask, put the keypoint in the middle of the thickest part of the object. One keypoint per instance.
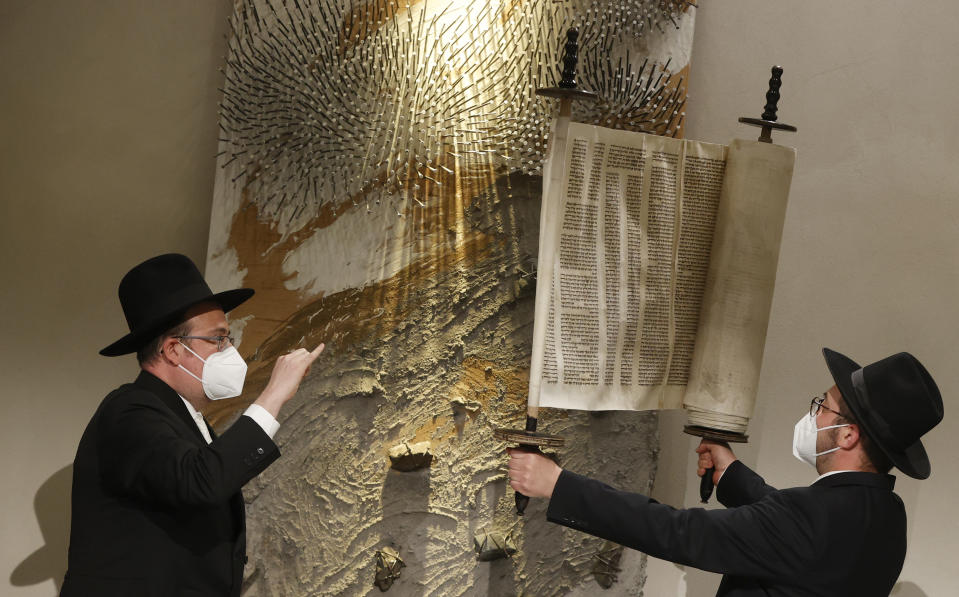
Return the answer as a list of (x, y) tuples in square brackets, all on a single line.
[(223, 373), (804, 439)]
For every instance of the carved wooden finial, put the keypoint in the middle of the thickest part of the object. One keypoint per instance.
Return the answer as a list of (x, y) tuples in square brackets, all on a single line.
[(568, 87), (768, 120), (772, 96), (570, 59)]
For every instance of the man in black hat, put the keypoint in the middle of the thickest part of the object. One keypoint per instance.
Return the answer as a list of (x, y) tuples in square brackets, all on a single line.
[(843, 535), (156, 504)]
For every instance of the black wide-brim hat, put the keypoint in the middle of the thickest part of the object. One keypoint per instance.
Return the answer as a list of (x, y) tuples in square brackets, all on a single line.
[(155, 295), (895, 401)]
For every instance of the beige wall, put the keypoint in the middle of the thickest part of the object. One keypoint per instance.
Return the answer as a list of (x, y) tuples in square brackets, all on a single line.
[(868, 264), (107, 120), (107, 137)]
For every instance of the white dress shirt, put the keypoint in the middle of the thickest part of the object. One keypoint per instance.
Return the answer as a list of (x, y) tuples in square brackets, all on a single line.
[(256, 412)]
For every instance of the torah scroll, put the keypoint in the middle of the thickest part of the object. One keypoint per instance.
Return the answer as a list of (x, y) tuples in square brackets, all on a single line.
[(656, 272)]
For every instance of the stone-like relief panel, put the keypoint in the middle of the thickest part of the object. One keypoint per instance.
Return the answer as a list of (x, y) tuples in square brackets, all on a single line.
[(413, 257)]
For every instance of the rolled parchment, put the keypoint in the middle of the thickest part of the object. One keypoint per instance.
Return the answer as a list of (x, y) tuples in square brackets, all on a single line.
[(724, 375)]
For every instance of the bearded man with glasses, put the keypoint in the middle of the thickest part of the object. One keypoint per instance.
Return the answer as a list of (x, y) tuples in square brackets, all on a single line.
[(843, 535), (156, 505)]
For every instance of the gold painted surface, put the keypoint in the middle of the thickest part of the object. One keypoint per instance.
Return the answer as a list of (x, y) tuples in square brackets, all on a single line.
[(509, 8), (287, 319), (364, 19), (479, 383)]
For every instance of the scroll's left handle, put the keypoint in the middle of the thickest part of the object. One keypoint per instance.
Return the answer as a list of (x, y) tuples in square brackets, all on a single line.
[(527, 440), (523, 500)]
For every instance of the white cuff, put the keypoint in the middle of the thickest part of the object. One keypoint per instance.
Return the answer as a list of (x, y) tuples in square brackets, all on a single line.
[(263, 418), (717, 482)]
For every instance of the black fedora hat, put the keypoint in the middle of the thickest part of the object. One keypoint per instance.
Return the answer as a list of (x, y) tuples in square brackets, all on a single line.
[(156, 293), (895, 401)]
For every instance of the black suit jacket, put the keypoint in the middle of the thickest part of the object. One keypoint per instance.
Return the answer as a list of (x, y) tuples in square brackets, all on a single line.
[(843, 536), (155, 510)]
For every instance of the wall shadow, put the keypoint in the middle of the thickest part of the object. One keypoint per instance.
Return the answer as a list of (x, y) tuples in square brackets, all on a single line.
[(405, 527), (502, 573), (52, 507), (907, 589), (699, 582)]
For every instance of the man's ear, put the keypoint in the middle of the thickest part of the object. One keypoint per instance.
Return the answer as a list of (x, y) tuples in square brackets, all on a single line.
[(848, 436), (171, 351)]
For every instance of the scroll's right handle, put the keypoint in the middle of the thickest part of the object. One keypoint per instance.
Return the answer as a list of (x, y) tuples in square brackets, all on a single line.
[(706, 485), (772, 94), (769, 120), (716, 435)]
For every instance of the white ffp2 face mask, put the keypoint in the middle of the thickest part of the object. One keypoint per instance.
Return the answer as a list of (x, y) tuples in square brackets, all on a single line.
[(223, 373), (804, 439)]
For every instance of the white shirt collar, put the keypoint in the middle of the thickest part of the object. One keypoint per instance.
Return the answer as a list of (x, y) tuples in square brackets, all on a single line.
[(824, 475), (198, 419)]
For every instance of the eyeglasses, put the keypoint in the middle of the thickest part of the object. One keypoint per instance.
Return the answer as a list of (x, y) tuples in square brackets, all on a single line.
[(221, 341), (817, 403)]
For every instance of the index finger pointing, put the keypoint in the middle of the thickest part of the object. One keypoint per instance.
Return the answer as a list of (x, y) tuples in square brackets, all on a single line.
[(316, 351)]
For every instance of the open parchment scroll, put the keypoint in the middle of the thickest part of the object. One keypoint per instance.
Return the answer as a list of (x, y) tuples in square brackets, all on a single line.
[(656, 272)]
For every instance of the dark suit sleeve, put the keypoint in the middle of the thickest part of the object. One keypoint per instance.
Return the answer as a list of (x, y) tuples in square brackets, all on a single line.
[(771, 538), (144, 452), (740, 486)]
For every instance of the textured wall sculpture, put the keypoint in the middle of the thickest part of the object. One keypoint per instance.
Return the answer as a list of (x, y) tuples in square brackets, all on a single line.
[(379, 184)]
